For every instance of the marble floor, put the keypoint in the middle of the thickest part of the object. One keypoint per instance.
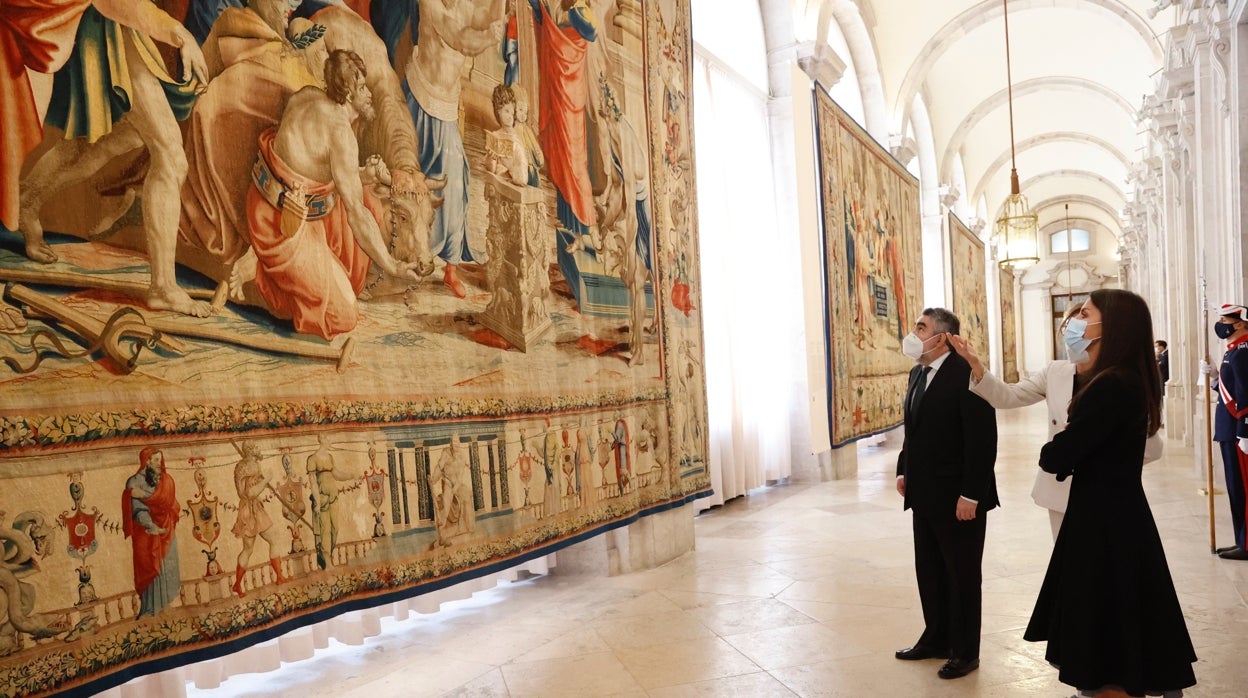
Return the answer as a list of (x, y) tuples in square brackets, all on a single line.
[(804, 589)]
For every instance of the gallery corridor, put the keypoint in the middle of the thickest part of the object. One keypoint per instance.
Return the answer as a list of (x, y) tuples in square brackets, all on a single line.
[(804, 589)]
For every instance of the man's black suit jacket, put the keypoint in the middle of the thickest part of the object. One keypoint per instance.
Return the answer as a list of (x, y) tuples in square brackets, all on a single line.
[(950, 446)]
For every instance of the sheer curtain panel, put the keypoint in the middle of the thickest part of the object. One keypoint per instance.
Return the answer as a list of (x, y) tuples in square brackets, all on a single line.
[(750, 277)]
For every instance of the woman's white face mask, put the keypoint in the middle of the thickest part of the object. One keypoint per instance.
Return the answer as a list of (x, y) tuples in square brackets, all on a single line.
[(1076, 344)]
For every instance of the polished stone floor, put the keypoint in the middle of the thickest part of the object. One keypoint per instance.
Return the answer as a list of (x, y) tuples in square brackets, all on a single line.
[(803, 589)]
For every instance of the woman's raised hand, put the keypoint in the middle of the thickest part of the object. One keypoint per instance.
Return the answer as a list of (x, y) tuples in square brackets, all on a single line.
[(964, 350)]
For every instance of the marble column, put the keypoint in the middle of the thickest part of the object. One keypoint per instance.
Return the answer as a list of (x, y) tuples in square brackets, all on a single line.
[(816, 64), (1210, 253), (1182, 246)]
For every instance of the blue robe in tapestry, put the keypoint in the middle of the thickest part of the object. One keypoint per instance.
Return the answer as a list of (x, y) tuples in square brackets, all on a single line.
[(90, 92)]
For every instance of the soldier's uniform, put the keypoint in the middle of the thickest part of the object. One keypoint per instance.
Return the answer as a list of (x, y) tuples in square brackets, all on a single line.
[(1231, 424)]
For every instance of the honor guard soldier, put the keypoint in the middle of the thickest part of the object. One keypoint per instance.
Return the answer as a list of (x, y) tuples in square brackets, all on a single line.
[(1231, 416)]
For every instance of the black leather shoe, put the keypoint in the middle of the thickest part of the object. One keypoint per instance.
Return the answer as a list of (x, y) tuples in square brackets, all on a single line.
[(921, 652), (1226, 549), (957, 668), (1236, 554)]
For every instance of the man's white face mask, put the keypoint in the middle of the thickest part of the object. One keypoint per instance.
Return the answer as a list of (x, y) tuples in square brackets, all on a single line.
[(912, 346)]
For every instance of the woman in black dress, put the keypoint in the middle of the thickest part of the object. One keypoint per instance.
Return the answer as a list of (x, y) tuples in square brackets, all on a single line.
[(1108, 608)]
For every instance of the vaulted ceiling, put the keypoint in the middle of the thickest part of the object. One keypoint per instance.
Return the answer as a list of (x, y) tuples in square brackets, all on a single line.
[(1080, 69)]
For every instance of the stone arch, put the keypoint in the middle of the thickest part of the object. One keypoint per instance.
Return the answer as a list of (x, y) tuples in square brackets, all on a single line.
[(1051, 137), (1075, 174), (1055, 82), (990, 10), (1092, 201), (862, 53)]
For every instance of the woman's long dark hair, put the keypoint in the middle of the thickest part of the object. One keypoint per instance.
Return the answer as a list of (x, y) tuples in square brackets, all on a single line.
[(1126, 347)]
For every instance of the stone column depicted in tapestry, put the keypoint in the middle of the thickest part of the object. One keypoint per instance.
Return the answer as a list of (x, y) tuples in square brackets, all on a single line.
[(517, 268), (628, 20)]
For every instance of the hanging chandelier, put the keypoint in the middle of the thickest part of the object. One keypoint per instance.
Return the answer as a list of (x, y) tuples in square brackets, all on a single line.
[(1017, 230)]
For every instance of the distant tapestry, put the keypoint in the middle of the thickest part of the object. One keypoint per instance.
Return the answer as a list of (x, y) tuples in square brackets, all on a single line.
[(1009, 332), (970, 284), (310, 312), (872, 233)]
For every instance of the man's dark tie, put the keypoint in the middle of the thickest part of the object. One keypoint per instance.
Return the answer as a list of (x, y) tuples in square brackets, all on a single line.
[(919, 388)]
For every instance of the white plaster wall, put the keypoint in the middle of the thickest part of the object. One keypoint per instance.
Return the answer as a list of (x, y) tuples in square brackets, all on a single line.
[(732, 31)]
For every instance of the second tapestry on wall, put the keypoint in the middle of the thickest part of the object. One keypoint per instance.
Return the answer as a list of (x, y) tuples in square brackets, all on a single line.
[(1009, 334), (970, 284), (872, 241)]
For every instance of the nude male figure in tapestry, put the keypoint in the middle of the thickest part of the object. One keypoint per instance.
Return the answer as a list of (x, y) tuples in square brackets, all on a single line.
[(313, 224), (325, 478), (255, 67), (622, 218), (450, 32), (150, 123)]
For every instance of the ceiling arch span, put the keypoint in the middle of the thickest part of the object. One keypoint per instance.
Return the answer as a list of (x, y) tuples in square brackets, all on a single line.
[(1112, 216), (1062, 83), (1075, 174), (1042, 139), (1075, 222), (990, 10), (866, 63)]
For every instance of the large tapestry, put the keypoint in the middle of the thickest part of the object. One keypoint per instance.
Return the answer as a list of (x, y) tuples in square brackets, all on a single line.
[(970, 284), (872, 238), (1009, 331), (313, 305)]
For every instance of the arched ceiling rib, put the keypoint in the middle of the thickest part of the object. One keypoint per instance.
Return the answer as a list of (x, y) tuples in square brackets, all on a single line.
[(1058, 189), (995, 170), (1054, 208), (1079, 71), (1072, 179), (992, 11), (1047, 85)]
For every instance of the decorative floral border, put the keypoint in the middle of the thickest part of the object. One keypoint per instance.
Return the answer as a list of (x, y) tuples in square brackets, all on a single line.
[(19, 434), (61, 664)]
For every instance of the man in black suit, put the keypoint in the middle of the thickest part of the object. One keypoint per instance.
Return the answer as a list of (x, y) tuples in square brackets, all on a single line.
[(945, 474)]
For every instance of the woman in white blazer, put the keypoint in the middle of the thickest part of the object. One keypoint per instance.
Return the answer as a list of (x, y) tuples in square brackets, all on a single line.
[(1054, 384)]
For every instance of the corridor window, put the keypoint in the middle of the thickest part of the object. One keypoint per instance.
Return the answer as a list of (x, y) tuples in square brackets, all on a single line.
[(1073, 240)]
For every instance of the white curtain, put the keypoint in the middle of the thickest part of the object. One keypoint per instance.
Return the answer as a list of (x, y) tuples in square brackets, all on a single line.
[(750, 285)]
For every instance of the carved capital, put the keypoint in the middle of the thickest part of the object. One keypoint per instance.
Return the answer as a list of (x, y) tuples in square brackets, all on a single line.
[(820, 62), (1159, 6), (1177, 80), (949, 194), (904, 148)]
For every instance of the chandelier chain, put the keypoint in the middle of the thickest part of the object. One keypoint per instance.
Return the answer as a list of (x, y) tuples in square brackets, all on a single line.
[(1009, 79)]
